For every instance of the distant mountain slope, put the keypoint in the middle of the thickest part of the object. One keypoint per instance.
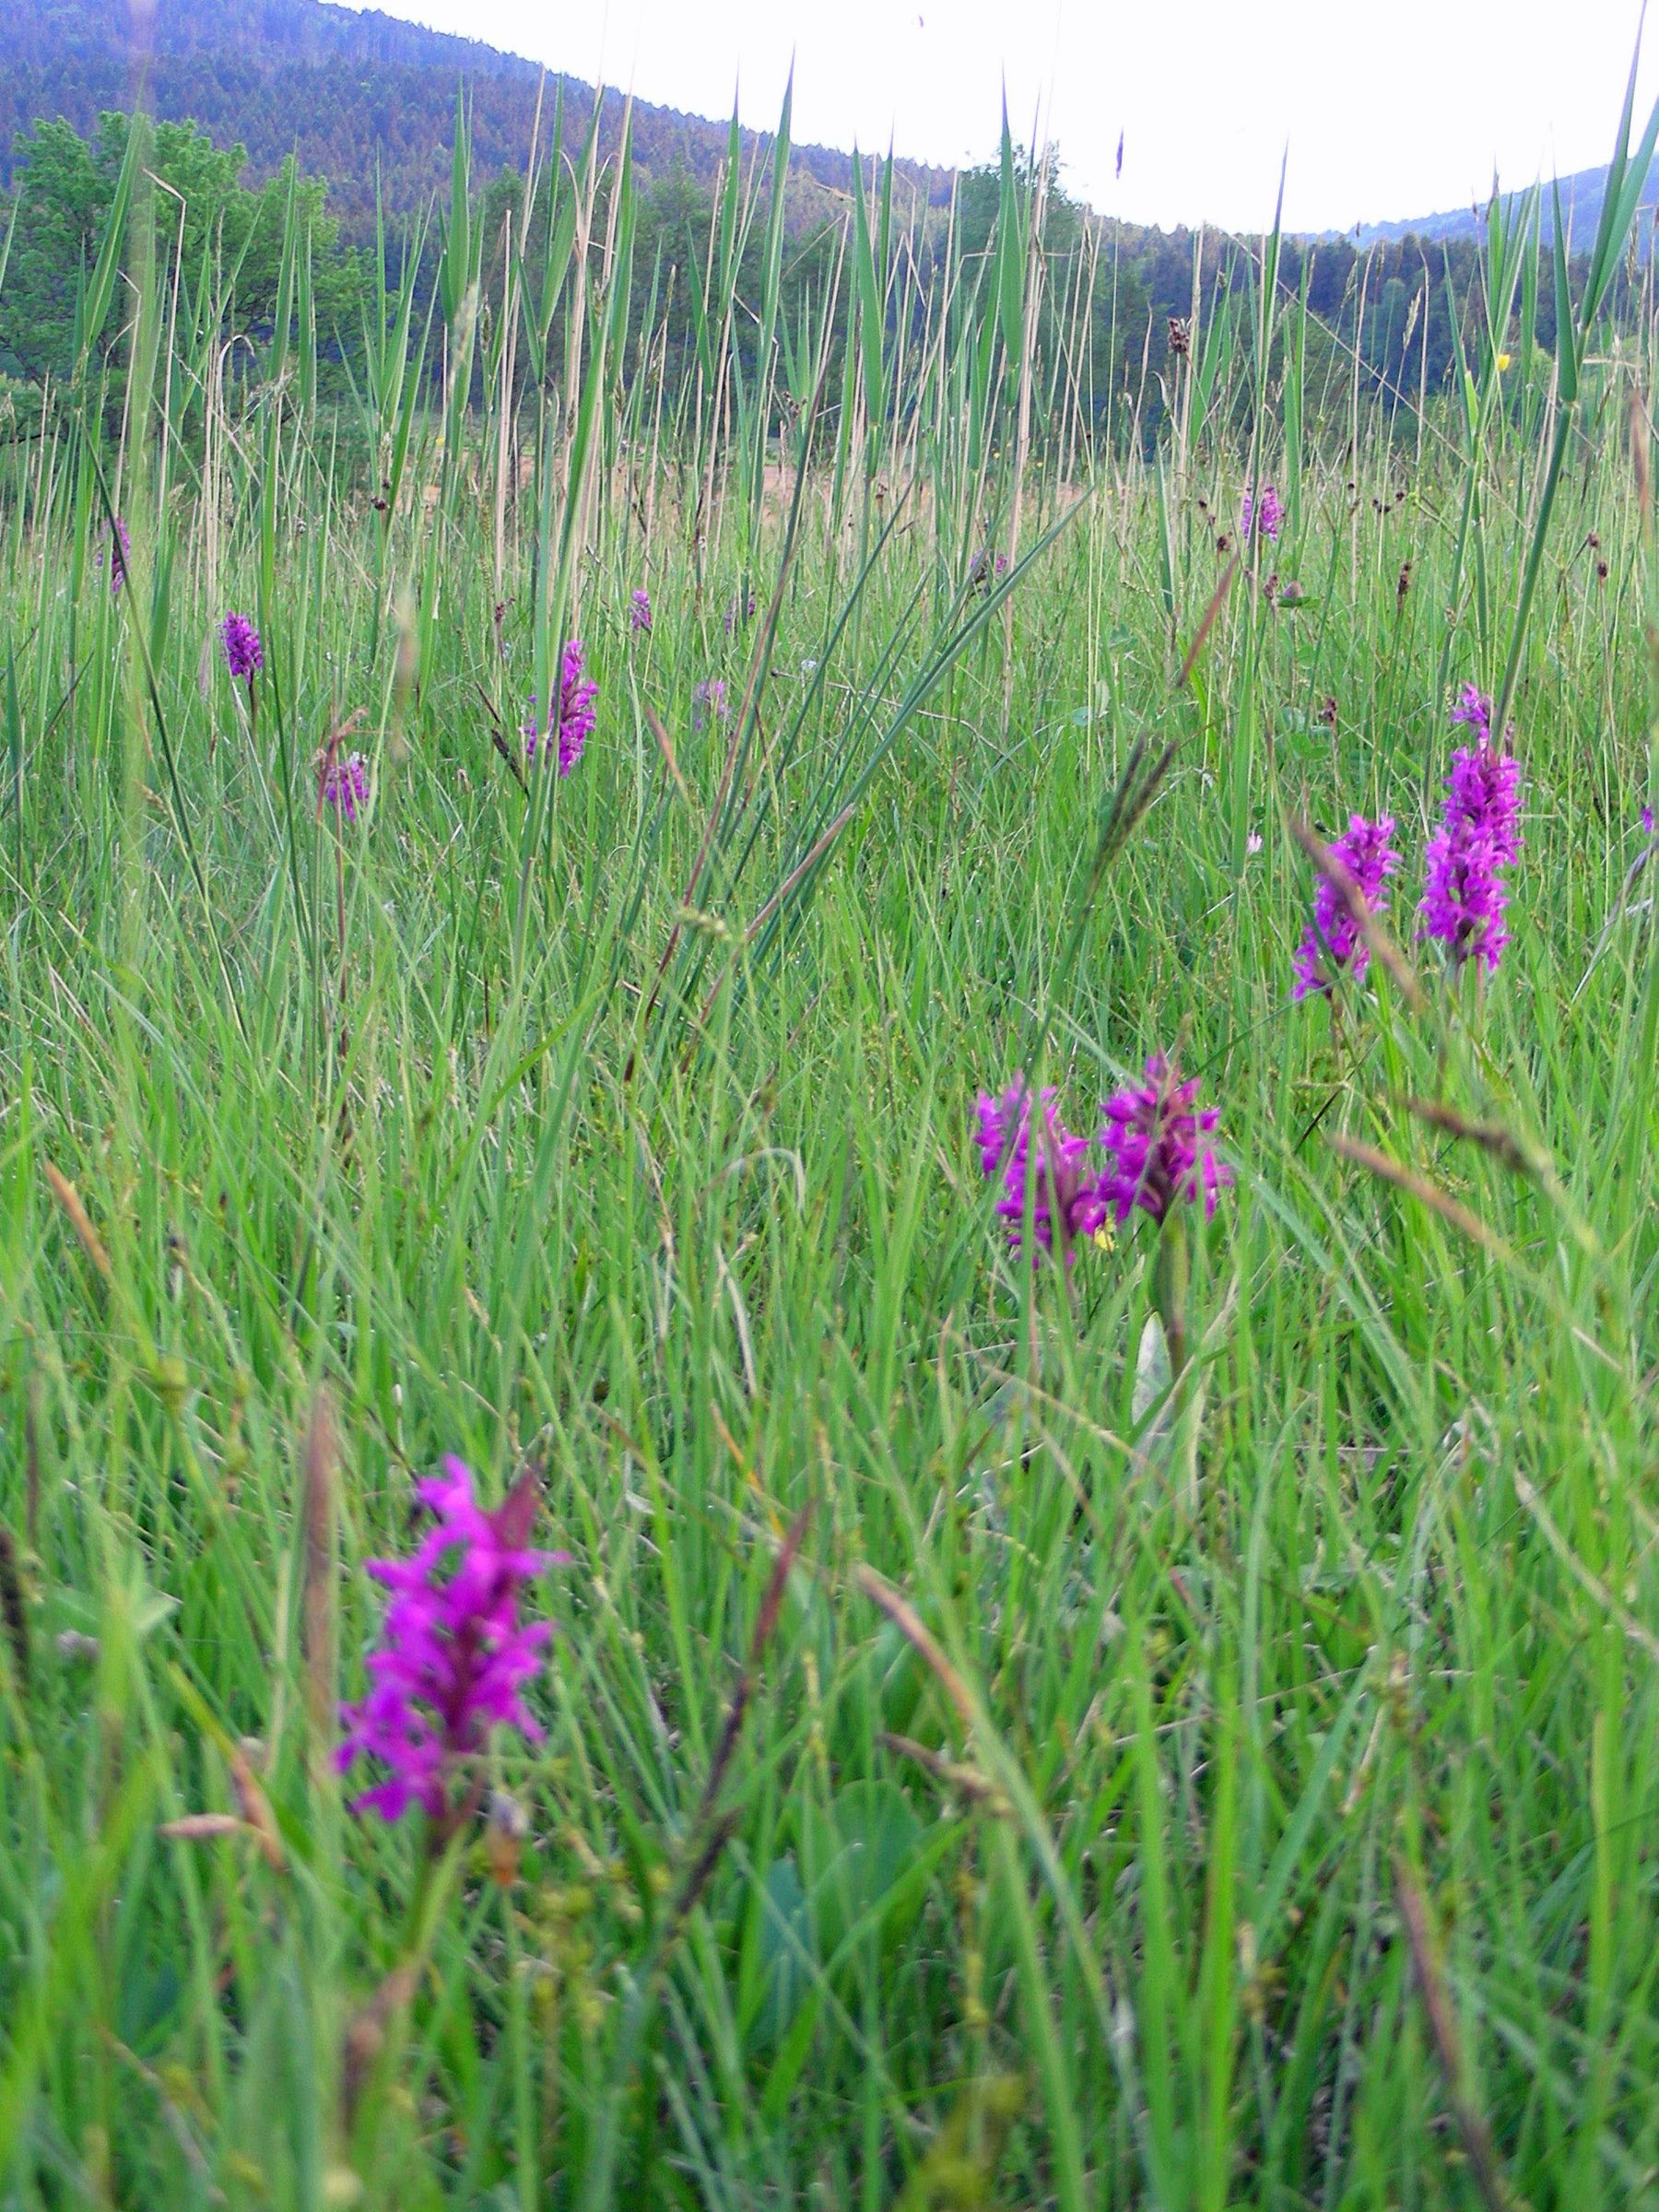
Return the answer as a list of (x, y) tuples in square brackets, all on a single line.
[(1581, 196), (356, 94), (343, 90)]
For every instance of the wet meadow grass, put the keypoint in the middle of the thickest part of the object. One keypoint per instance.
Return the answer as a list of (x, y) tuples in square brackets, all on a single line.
[(982, 1761)]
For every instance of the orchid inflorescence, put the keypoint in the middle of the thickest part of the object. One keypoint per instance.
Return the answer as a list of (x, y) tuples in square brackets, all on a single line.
[(455, 1659), (1150, 1153), (1466, 890)]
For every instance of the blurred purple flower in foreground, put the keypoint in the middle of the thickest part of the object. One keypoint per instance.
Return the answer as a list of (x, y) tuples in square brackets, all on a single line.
[(244, 655), (1466, 895), (1155, 1140), (454, 1658), (1333, 939)]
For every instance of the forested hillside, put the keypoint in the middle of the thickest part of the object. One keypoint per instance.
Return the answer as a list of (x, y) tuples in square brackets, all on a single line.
[(352, 95), (353, 112), (1388, 314)]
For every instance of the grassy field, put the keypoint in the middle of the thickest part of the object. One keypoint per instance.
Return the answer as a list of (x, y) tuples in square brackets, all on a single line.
[(980, 1767)]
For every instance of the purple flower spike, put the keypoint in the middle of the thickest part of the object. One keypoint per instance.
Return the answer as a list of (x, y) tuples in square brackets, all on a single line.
[(1000, 1120), (346, 785), (1466, 895), (454, 1658), (709, 703), (1333, 940), (1474, 712), (1155, 1141), (639, 613), (577, 719), (741, 611), (244, 655), (1264, 511), (121, 546), (1038, 1157)]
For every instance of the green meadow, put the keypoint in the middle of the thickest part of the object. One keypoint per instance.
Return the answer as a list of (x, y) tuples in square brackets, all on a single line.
[(1174, 1726)]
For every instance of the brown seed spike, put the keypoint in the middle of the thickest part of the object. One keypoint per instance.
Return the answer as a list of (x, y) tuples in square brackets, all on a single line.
[(68, 1197), (366, 2034), (515, 1517), (1478, 2147), (1491, 1137), (201, 1828), (256, 1809)]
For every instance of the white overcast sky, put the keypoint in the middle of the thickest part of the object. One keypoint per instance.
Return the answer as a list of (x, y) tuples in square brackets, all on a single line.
[(1388, 107)]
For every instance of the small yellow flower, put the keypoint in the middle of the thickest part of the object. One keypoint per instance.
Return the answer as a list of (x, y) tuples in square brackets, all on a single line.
[(1104, 1238), (1503, 362)]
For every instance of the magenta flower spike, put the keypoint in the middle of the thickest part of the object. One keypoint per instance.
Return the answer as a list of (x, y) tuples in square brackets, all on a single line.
[(121, 546), (1264, 511), (244, 655), (1467, 894), (346, 785), (639, 613), (1474, 712), (1156, 1142), (453, 1659), (1000, 1119), (577, 720), (1039, 1158), (709, 703), (1333, 939)]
